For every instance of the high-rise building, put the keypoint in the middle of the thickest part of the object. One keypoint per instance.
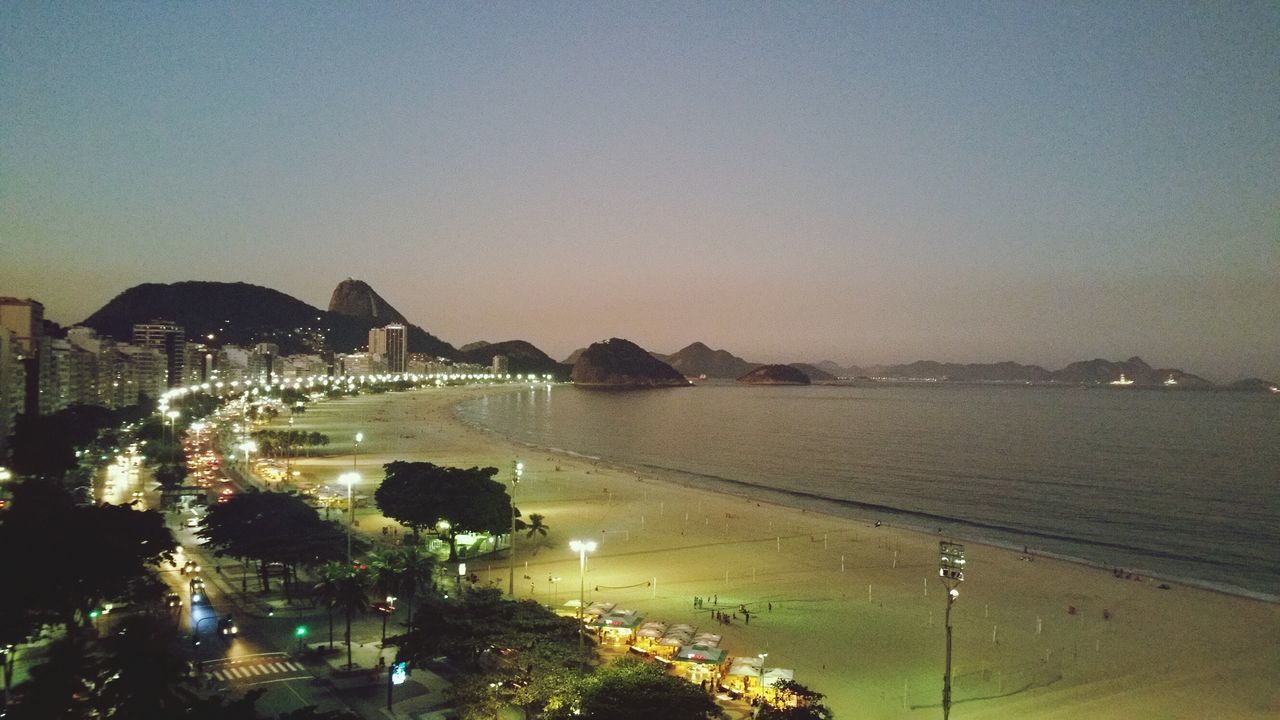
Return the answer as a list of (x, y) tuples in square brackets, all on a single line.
[(25, 319), (13, 384), (263, 363), (171, 340), (391, 345), (501, 365)]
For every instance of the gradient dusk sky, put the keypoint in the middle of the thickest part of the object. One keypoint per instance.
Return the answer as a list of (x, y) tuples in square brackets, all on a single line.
[(860, 182)]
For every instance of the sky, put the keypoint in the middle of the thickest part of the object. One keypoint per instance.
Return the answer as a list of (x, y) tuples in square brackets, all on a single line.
[(858, 182)]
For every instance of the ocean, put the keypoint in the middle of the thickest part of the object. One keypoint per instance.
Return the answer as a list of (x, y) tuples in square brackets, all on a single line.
[(1180, 484)]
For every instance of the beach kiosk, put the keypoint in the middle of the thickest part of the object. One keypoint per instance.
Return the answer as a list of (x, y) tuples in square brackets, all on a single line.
[(743, 676), (676, 637), (769, 683), (699, 664), (648, 635), (617, 627)]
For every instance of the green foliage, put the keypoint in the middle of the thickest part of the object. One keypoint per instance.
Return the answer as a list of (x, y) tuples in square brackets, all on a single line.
[(632, 689), (421, 494), (273, 527), (403, 572), (345, 587), (808, 704), (45, 445), (55, 534)]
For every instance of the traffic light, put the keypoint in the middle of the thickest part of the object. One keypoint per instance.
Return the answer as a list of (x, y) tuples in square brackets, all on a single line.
[(300, 631)]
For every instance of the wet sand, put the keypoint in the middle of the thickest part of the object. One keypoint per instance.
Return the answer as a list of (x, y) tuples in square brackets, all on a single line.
[(856, 610)]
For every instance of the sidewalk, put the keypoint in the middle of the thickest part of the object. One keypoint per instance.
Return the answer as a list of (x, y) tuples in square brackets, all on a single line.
[(365, 684)]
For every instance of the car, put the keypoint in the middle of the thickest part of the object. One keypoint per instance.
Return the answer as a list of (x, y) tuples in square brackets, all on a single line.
[(227, 627), (227, 491), (173, 600), (197, 590), (190, 566), (224, 498), (193, 522)]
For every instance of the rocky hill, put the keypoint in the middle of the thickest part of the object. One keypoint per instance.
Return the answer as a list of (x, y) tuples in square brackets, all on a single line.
[(972, 372), (775, 375), (698, 359), (522, 357), (813, 372), (621, 364), (354, 298)]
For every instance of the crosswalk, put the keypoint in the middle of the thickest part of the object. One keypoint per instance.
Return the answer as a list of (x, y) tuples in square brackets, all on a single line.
[(259, 668)]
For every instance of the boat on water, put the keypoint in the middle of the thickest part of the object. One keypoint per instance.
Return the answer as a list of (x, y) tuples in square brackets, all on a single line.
[(1122, 381)]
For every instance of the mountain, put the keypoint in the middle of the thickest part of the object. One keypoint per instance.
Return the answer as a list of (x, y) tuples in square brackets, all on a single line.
[(812, 372), (234, 313), (839, 371), (573, 356), (522, 357), (1255, 385), (972, 372), (621, 364), (698, 359), (775, 375), (354, 298)]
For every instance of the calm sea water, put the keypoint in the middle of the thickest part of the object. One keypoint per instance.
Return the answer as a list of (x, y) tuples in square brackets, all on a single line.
[(1181, 484)]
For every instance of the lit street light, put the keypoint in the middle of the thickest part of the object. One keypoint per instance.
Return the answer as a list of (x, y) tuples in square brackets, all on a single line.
[(355, 449), (951, 570), (172, 415), (517, 469), (349, 479), (582, 547)]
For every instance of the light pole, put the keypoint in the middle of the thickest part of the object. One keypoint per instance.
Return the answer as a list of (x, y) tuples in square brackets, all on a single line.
[(172, 415), (553, 583), (762, 657), (248, 446), (951, 570), (582, 547), (517, 469), (349, 479), (195, 641), (355, 449)]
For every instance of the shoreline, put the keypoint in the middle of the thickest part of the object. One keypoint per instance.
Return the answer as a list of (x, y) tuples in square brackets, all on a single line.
[(854, 609), (759, 493)]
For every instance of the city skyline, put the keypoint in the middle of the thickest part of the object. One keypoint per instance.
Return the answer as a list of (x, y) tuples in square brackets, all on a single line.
[(867, 184)]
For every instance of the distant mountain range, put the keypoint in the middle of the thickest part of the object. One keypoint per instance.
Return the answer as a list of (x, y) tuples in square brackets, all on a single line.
[(244, 314)]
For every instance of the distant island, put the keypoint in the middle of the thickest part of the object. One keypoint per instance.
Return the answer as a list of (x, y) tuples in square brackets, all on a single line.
[(775, 375), (619, 364)]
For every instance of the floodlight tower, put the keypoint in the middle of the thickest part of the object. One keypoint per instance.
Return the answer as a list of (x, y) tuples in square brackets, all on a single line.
[(951, 570)]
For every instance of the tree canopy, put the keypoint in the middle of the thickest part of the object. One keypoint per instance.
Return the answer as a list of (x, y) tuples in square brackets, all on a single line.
[(421, 494), (633, 689), (272, 527)]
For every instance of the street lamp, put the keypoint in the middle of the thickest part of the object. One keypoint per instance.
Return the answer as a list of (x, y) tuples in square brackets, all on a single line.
[(951, 570), (249, 447), (349, 479), (385, 609), (195, 640), (582, 547), (517, 469), (172, 415), (355, 449)]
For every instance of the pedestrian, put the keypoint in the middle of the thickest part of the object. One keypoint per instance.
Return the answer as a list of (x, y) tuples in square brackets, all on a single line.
[(746, 618), (715, 599), (770, 607)]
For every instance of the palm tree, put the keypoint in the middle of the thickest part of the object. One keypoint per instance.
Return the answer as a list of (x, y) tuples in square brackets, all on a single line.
[(536, 525), (352, 588), (403, 573), (327, 589)]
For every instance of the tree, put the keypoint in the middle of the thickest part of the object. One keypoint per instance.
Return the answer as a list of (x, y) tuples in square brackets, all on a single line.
[(421, 495), (50, 528), (535, 526), (327, 589), (273, 527), (796, 702), (352, 597), (403, 573), (632, 689)]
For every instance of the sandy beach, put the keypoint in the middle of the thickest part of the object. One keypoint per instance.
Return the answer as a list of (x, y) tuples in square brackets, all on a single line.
[(856, 610)]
